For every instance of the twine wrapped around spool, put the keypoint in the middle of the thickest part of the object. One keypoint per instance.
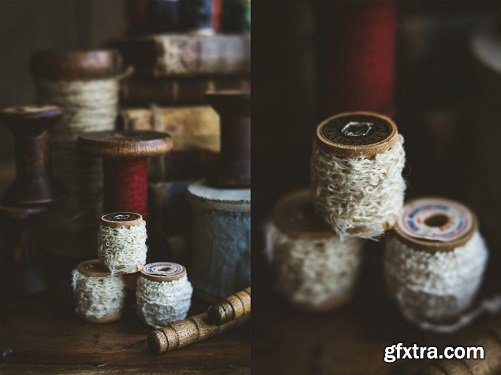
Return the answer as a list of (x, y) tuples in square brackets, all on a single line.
[(356, 173), (99, 294), (85, 85), (121, 243), (163, 293), (312, 267), (221, 240), (434, 264)]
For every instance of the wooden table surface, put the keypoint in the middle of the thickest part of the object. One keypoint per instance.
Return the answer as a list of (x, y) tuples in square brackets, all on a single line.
[(41, 335)]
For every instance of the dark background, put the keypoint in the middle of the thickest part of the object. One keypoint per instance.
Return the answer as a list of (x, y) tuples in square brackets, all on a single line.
[(446, 106)]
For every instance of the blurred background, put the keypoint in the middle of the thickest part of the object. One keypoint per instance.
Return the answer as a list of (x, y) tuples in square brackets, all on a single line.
[(27, 26), (434, 67)]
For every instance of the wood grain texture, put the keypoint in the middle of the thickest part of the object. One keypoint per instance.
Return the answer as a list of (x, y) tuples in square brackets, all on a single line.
[(46, 337)]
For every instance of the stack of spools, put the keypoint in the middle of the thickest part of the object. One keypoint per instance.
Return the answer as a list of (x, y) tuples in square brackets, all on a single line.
[(221, 205), (434, 260), (357, 191), (180, 49), (84, 84), (163, 292)]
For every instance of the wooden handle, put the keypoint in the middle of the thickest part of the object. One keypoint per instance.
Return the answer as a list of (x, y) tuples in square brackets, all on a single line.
[(233, 307), (188, 331)]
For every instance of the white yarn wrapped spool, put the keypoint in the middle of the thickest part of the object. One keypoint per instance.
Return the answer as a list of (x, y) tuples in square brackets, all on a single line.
[(163, 294), (121, 243), (356, 173), (312, 267), (435, 263), (99, 294)]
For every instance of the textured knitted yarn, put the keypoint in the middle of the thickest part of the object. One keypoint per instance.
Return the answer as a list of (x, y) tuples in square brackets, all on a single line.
[(313, 272), (359, 193), (162, 302), (122, 249), (87, 105), (433, 288), (98, 297)]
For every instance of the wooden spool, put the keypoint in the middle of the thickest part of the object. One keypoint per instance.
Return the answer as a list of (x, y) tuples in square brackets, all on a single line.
[(351, 134), (94, 268), (124, 220), (221, 239), (119, 150), (435, 224), (28, 198), (163, 271), (233, 307), (233, 168), (295, 216), (76, 65), (34, 183)]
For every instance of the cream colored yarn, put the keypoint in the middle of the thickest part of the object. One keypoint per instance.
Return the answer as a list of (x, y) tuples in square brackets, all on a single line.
[(87, 105), (431, 287), (162, 302), (313, 272), (359, 192), (122, 249), (98, 297)]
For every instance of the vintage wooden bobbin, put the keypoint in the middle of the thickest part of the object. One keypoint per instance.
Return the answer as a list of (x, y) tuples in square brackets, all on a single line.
[(99, 294), (435, 261), (125, 165), (122, 242), (356, 173), (311, 266), (233, 307), (233, 168), (220, 240), (29, 196), (163, 293)]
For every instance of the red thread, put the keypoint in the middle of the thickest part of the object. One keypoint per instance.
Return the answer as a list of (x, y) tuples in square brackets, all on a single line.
[(126, 186), (362, 65)]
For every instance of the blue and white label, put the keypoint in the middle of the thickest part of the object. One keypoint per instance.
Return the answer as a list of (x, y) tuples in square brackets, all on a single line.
[(436, 219), (163, 269)]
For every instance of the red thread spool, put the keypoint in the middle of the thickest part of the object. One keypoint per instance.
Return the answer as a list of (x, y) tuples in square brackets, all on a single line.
[(125, 165), (361, 67)]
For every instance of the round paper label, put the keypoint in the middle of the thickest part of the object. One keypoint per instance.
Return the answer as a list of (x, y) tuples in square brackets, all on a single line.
[(436, 219), (163, 269)]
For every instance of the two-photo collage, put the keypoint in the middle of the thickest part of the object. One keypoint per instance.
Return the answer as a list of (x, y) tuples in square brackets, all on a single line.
[(224, 187)]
